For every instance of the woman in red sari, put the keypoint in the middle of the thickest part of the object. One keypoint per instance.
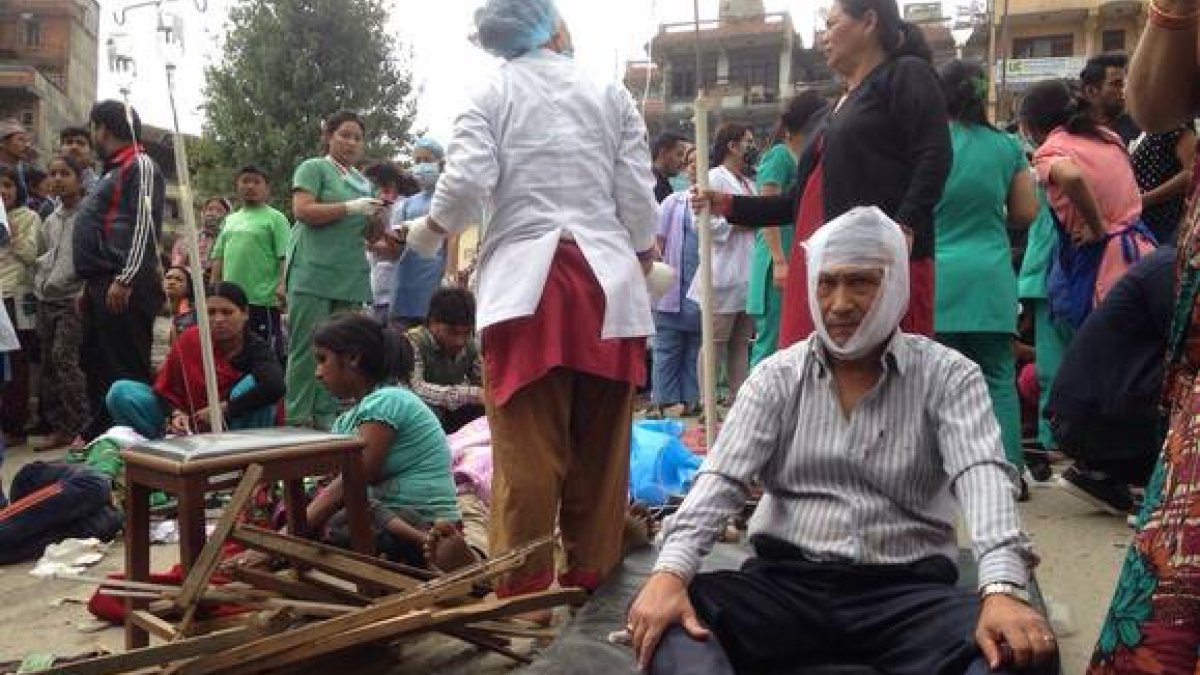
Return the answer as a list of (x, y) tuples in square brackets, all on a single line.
[(885, 144)]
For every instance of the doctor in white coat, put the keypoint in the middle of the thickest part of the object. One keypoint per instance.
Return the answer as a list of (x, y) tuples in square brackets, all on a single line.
[(562, 165)]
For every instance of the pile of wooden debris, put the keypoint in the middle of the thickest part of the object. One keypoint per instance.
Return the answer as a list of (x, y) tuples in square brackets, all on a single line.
[(326, 601)]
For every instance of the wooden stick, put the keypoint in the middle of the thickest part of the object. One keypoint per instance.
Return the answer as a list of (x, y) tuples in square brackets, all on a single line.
[(405, 624), (154, 625), (485, 640), (387, 609), (172, 651), (210, 556), (418, 573), (332, 585), (282, 585), (515, 630), (327, 559), (303, 607)]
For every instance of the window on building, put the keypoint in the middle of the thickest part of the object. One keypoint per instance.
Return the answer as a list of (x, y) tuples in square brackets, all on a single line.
[(27, 119), (683, 83), (1046, 46), (33, 33), (1112, 41)]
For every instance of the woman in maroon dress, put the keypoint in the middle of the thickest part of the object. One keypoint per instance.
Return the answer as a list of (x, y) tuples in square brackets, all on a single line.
[(885, 143)]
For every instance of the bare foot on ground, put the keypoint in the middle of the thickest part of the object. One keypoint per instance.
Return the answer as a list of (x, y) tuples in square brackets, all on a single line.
[(446, 550), (639, 528)]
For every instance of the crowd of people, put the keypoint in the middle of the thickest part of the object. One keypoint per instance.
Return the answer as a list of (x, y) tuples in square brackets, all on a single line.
[(911, 303)]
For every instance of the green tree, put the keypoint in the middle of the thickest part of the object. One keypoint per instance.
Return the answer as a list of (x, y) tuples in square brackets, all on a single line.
[(287, 65)]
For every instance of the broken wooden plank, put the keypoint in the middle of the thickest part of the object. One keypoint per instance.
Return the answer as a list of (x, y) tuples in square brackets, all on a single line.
[(515, 630), (386, 609), (210, 556), (156, 626), (375, 561), (397, 626), (487, 641), (341, 588), (281, 583), (173, 651), (327, 559), (300, 607)]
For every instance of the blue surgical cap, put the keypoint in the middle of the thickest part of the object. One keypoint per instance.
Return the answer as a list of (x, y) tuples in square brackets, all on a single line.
[(510, 28), (432, 146)]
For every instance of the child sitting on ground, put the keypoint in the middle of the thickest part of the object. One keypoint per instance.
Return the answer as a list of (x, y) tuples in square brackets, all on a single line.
[(406, 458)]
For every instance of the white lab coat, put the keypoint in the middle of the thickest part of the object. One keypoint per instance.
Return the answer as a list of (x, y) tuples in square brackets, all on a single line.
[(552, 154), (732, 251)]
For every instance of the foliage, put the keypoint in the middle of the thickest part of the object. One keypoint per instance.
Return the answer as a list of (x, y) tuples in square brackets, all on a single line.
[(287, 65)]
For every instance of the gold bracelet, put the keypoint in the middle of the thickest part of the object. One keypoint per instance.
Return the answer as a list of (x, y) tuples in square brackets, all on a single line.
[(1168, 21)]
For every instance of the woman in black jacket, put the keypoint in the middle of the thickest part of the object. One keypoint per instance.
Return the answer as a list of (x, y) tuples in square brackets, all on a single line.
[(885, 143)]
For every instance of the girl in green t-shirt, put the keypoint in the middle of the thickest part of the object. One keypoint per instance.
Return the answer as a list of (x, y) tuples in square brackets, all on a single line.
[(406, 458)]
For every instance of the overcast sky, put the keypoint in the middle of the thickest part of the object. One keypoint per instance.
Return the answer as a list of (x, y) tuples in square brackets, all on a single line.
[(606, 33)]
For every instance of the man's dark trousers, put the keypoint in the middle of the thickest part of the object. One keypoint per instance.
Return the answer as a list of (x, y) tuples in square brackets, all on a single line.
[(781, 611), (116, 346)]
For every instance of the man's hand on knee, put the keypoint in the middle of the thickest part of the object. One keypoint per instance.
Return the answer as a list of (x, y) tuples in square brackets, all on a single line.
[(662, 603), (1011, 633)]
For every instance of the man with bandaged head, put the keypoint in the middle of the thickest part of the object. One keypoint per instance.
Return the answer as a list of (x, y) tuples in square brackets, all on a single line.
[(561, 162), (867, 441)]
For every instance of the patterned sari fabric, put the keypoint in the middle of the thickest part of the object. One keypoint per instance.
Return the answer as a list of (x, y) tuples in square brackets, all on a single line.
[(1153, 622)]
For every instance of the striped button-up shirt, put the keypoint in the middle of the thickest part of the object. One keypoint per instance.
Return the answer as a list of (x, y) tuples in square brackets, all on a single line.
[(881, 485)]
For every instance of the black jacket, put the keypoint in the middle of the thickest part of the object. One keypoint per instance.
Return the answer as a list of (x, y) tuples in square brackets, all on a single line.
[(888, 145), (258, 360), (119, 222)]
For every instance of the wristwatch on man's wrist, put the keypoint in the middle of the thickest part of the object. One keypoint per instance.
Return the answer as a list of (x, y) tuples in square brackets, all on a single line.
[(1004, 588)]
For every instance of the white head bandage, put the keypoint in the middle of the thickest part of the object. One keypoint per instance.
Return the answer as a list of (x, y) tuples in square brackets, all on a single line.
[(861, 237)]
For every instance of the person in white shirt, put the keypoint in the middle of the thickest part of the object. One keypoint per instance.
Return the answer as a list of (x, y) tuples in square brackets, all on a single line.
[(868, 443), (562, 164), (733, 245)]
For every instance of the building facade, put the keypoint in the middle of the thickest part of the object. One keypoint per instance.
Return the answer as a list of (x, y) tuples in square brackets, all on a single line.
[(48, 76), (1042, 39), (752, 61)]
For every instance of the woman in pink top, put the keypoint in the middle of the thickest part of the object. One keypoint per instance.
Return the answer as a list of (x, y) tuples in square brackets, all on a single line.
[(1088, 179)]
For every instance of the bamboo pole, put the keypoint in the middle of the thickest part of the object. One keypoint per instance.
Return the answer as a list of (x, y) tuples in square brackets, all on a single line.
[(708, 357), (216, 419)]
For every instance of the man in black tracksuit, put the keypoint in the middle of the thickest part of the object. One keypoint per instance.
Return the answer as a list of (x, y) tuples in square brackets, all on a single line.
[(116, 255)]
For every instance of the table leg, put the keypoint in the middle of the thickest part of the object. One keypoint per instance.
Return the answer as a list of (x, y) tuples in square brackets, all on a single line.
[(295, 504), (354, 500), (191, 520), (137, 554)]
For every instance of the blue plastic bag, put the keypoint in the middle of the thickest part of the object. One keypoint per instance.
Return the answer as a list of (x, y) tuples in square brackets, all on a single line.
[(660, 465)]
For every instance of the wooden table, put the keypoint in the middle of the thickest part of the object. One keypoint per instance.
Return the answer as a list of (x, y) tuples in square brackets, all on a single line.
[(190, 467)]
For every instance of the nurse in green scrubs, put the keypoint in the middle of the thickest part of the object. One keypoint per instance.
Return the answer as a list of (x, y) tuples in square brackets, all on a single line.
[(336, 215), (1050, 336), (976, 289), (769, 265)]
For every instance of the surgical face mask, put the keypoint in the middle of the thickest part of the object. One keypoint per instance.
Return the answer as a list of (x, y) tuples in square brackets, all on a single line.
[(680, 182), (426, 175)]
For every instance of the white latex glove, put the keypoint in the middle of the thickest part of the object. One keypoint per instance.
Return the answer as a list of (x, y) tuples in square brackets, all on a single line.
[(660, 279), (422, 239), (363, 206)]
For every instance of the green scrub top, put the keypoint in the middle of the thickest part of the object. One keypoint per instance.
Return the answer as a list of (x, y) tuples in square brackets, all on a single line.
[(330, 261), (1031, 283), (777, 166), (976, 288)]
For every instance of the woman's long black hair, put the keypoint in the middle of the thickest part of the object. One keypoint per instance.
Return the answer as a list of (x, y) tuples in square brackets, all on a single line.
[(964, 85), (383, 354)]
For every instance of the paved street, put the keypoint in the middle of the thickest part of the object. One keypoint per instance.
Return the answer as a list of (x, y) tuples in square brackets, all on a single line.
[(1081, 551)]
